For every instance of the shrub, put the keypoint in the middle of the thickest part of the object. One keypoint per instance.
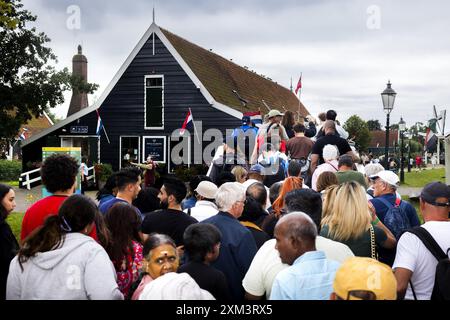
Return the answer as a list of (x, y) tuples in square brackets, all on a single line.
[(102, 171), (10, 170)]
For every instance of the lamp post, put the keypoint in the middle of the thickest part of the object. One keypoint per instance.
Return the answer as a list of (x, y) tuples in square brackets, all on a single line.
[(388, 98), (409, 152), (402, 128)]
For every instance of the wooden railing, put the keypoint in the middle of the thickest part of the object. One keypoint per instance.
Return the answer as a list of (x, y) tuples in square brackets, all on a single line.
[(25, 178), (26, 181)]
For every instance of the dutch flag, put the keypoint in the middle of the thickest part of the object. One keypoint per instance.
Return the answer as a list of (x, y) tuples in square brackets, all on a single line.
[(99, 124), (188, 122)]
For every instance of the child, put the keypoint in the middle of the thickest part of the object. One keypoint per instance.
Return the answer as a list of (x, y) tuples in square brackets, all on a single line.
[(202, 245)]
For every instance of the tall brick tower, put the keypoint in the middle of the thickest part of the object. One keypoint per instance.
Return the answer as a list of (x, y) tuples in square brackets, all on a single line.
[(79, 67)]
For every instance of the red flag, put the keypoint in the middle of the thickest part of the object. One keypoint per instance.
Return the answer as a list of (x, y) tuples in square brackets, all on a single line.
[(299, 85)]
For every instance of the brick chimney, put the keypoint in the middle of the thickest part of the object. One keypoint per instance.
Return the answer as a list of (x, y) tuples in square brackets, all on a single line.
[(79, 67)]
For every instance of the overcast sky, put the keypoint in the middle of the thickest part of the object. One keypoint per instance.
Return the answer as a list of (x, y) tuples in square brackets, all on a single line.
[(347, 50)]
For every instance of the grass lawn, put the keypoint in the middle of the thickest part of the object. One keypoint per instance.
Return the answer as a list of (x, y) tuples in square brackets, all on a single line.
[(15, 222), (421, 178), (11, 183)]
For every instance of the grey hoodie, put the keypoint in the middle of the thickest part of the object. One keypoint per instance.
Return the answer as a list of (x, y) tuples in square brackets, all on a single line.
[(79, 270)]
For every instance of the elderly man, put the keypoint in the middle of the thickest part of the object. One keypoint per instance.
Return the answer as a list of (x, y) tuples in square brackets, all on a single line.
[(267, 263), (310, 275), (329, 128), (330, 155), (415, 265), (385, 198), (238, 246)]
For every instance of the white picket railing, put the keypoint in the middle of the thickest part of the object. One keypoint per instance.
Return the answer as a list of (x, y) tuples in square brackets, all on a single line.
[(27, 181)]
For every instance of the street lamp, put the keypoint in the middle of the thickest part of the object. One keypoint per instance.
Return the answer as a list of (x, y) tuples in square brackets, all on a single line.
[(388, 98), (402, 128), (409, 152)]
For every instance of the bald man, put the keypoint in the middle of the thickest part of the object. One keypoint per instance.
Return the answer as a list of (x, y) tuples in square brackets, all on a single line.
[(310, 275)]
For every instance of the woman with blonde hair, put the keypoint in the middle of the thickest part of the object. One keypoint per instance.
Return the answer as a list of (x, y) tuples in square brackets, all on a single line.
[(289, 184), (328, 196), (352, 223), (240, 173)]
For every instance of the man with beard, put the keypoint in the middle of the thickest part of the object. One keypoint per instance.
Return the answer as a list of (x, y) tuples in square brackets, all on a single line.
[(170, 220)]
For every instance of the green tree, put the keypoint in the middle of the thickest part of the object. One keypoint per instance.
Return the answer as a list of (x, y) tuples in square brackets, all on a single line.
[(29, 84), (374, 125), (358, 131)]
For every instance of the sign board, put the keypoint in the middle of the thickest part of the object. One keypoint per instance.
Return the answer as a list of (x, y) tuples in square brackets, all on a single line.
[(73, 152), (155, 146), (79, 129)]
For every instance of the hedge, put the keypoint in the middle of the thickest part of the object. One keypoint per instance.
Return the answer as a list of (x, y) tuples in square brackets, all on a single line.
[(10, 170)]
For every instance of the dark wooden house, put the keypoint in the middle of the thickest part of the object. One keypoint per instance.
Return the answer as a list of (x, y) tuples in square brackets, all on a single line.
[(149, 98)]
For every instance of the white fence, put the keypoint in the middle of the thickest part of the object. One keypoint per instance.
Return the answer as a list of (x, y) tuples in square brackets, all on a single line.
[(26, 181)]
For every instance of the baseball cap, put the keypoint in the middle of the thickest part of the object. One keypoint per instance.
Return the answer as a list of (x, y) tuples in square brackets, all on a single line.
[(434, 190), (256, 168), (387, 176), (207, 189), (274, 113), (245, 120), (361, 278)]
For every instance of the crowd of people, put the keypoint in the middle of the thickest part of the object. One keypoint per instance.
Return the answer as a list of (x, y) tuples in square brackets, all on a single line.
[(296, 215)]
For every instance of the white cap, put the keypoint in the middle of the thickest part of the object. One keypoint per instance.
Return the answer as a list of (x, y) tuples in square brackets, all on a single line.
[(330, 152), (207, 189), (388, 177)]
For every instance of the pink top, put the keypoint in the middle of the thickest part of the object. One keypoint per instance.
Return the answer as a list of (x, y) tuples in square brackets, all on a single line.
[(145, 280), (331, 166)]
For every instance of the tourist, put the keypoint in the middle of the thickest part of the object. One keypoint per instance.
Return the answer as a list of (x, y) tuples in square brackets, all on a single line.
[(60, 262), (8, 243), (205, 207)]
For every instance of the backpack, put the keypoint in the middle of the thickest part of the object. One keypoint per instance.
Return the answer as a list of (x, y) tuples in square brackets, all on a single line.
[(396, 219), (441, 289)]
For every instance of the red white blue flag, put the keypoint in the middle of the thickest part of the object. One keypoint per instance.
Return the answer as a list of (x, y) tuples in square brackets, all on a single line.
[(99, 124), (188, 122), (255, 117)]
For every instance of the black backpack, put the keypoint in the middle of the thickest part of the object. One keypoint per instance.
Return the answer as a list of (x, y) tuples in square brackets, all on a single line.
[(396, 219), (441, 289)]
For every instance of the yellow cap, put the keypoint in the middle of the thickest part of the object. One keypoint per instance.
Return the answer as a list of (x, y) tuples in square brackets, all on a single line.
[(365, 275)]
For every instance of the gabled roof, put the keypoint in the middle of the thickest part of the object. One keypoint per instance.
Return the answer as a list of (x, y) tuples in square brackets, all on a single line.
[(215, 77), (221, 76)]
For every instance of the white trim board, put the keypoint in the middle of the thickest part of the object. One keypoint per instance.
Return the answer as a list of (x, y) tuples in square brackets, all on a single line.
[(152, 29)]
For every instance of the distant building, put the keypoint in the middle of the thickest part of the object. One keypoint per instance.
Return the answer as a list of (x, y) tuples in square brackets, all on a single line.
[(149, 98), (378, 142)]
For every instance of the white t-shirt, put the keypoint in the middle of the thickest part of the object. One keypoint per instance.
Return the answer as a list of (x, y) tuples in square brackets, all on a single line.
[(203, 210), (414, 256), (267, 264)]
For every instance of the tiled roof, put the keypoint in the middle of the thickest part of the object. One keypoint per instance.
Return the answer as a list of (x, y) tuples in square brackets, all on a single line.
[(379, 138), (35, 125), (221, 76)]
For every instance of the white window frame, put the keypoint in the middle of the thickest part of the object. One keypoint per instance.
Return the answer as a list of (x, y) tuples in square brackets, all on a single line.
[(120, 148), (145, 101), (165, 148)]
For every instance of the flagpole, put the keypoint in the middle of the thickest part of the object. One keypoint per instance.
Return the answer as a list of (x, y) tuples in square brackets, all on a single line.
[(299, 96), (195, 128), (104, 130)]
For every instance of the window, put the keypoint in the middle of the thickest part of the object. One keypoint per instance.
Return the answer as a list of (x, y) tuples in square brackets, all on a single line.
[(154, 102)]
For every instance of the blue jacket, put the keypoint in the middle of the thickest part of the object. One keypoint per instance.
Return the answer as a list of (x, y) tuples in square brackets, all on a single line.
[(381, 208), (237, 250)]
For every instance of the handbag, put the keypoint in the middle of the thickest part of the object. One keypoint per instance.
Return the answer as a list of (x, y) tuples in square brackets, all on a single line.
[(373, 248)]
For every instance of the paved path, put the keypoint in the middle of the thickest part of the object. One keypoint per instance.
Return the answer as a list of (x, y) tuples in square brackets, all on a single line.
[(25, 198)]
